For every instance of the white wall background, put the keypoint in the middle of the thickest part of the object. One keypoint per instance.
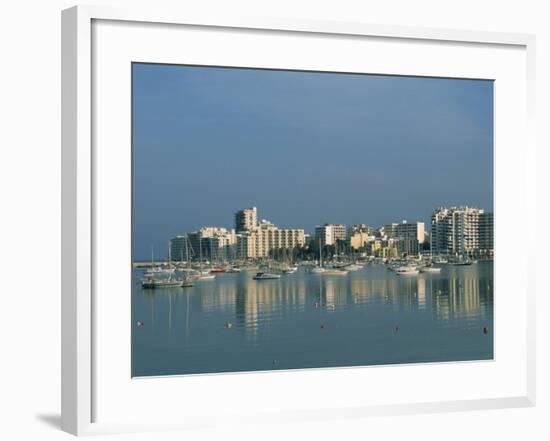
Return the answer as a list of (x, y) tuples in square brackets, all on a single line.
[(30, 217)]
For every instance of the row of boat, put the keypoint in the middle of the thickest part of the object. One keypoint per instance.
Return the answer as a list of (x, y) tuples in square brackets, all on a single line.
[(412, 269), (190, 275)]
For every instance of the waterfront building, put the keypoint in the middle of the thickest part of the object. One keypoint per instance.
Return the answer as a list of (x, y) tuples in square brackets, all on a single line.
[(486, 234), (257, 239), (462, 231), (217, 243), (382, 247), (246, 245), (408, 236), (246, 219), (362, 228), (388, 248), (329, 234), (373, 246), (359, 235), (389, 230), (178, 248)]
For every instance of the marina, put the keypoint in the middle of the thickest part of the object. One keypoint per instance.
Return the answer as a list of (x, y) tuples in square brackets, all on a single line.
[(303, 320)]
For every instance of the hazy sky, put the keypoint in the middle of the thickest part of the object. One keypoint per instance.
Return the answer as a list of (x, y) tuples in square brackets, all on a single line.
[(305, 148)]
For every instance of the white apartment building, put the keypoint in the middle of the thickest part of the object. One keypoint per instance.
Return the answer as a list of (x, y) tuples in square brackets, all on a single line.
[(246, 219), (329, 234), (257, 240), (409, 236), (212, 243), (456, 230)]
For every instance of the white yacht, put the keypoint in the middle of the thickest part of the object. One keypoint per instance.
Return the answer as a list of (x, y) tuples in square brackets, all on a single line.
[(152, 283), (289, 269), (430, 269), (406, 271), (233, 269), (266, 276)]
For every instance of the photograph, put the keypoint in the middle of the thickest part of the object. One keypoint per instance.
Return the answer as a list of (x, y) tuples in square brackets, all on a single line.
[(287, 219)]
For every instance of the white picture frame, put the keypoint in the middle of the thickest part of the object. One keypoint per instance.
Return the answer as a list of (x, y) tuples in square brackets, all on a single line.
[(79, 202)]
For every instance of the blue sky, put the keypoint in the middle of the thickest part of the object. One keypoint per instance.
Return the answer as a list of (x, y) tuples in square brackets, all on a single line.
[(304, 147)]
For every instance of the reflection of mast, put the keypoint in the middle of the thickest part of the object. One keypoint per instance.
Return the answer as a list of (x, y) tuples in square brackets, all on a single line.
[(187, 319), (169, 313)]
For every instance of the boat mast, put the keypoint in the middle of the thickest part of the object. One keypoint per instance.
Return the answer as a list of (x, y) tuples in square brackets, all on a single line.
[(200, 250), (320, 254), (187, 249)]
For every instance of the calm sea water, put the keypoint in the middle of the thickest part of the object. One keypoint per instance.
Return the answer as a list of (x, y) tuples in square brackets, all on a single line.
[(303, 320)]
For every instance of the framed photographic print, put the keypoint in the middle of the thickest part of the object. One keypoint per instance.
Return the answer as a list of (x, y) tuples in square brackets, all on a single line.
[(305, 219)]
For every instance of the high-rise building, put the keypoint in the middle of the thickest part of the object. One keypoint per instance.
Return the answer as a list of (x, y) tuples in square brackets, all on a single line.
[(179, 248), (390, 230), (409, 236), (246, 220), (461, 231), (486, 234), (257, 239), (329, 234), (212, 243)]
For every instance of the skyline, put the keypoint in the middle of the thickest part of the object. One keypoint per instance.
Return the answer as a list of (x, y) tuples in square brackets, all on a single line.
[(304, 147), (231, 225)]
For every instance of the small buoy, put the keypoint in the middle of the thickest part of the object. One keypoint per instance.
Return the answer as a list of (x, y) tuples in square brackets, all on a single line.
[(485, 330), (397, 328), (140, 324), (322, 326), (274, 361), (229, 325)]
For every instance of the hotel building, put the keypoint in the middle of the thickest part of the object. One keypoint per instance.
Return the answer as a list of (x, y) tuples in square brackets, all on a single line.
[(462, 230), (212, 243), (257, 239), (246, 220), (178, 248), (329, 234), (408, 236)]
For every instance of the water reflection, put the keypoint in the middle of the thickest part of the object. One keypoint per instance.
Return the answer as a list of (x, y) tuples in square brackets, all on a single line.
[(276, 313)]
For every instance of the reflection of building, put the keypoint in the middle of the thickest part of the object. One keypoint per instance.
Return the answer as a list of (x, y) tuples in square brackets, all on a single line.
[(462, 230), (329, 234)]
